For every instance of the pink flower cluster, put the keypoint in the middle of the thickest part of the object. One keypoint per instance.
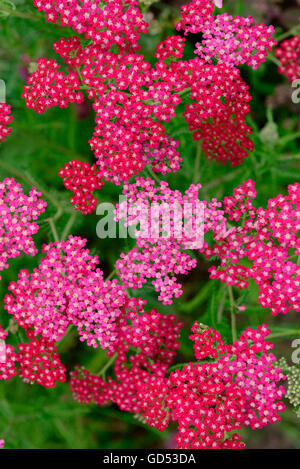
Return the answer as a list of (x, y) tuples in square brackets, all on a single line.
[(159, 255), (211, 400), (48, 87), (195, 15), (146, 346), (17, 214), (82, 179), (263, 247), (5, 120), (235, 41), (288, 54), (67, 289)]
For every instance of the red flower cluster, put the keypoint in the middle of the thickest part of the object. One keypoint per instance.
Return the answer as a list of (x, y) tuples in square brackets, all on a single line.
[(265, 238), (35, 361), (105, 22), (211, 400), (5, 120), (82, 179), (132, 99), (48, 87), (288, 54), (217, 113), (39, 363), (145, 348), (195, 15)]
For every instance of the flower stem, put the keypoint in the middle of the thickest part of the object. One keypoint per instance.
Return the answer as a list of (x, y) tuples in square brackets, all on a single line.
[(107, 365), (233, 318), (197, 164)]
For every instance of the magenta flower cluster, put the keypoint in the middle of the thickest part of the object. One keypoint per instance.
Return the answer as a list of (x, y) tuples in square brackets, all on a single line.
[(18, 213)]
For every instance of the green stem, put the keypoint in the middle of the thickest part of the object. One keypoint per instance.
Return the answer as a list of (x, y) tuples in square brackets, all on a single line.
[(107, 365), (290, 32), (197, 164), (284, 334), (274, 60), (53, 229), (111, 275), (233, 318), (153, 175), (68, 226), (12, 12), (221, 307)]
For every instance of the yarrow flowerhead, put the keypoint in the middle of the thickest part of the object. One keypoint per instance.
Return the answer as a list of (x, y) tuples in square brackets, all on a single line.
[(132, 99), (104, 22), (211, 400), (146, 345), (39, 362), (265, 239), (67, 289), (288, 54), (162, 239), (5, 120), (82, 179), (48, 87), (236, 40)]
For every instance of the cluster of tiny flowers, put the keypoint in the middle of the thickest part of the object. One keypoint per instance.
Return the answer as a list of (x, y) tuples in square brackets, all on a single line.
[(288, 54), (145, 348), (39, 362), (266, 238), (293, 383), (67, 289), (2, 444), (195, 15), (132, 99), (35, 361), (210, 400), (159, 254), (171, 48), (48, 87), (5, 120), (235, 41), (82, 179), (17, 214), (105, 22), (217, 113)]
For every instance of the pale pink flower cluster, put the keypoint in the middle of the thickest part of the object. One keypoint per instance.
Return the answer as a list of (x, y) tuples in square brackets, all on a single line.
[(236, 41), (160, 255)]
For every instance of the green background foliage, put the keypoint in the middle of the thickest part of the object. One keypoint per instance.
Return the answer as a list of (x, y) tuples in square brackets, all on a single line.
[(32, 417)]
